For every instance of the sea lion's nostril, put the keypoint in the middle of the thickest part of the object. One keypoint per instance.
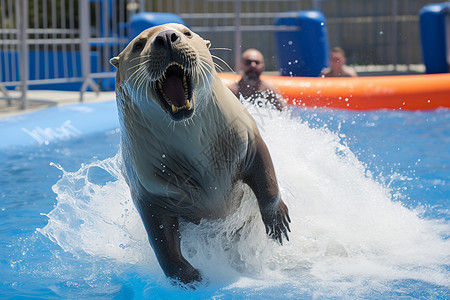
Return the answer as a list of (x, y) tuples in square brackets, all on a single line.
[(174, 37), (166, 38), (159, 41)]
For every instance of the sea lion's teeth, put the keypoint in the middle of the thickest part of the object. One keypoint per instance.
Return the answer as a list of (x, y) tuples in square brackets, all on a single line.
[(188, 104), (174, 108), (185, 86)]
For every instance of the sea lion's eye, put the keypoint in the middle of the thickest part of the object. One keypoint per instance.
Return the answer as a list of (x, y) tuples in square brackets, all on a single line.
[(187, 33), (139, 45)]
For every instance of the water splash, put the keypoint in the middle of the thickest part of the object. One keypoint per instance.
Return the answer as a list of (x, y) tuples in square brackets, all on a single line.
[(349, 235), (97, 219)]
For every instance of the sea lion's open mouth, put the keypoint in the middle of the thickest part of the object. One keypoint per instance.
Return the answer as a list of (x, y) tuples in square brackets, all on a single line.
[(175, 92)]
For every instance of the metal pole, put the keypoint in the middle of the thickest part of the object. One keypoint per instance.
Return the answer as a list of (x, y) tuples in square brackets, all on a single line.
[(315, 4), (237, 35), (84, 38), (85, 22), (24, 53), (447, 34), (394, 37)]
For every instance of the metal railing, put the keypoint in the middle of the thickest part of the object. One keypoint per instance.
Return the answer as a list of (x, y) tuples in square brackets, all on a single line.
[(54, 42), (71, 41)]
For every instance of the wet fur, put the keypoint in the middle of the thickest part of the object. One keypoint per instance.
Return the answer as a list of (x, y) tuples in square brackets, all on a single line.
[(193, 168)]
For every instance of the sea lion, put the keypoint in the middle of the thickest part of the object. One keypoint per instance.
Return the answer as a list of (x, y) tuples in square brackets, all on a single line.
[(187, 143)]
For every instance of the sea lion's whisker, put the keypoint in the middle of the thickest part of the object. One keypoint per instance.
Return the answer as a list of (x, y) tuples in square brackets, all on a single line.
[(135, 76), (142, 80), (223, 61), (139, 57), (213, 49), (203, 68), (218, 67), (138, 65), (140, 69), (206, 71)]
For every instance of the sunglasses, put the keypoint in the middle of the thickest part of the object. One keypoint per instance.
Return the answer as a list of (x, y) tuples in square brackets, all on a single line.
[(248, 62)]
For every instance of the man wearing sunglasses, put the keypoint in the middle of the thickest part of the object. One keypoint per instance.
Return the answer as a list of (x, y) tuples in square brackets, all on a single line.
[(251, 88)]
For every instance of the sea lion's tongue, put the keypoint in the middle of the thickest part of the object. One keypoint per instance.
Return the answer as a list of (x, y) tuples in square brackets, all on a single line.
[(173, 87)]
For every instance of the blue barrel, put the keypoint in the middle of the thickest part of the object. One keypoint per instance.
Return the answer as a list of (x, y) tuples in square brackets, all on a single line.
[(304, 51), (432, 33), (144, 20)]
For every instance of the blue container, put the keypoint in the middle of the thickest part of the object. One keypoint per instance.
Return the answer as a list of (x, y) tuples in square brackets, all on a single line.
[(305, 51), (51, 64), (144, 20), (48, 65), (9, 66), (432, 33)]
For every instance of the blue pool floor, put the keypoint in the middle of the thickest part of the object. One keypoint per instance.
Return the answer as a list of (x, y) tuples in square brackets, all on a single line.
[(69, 230)]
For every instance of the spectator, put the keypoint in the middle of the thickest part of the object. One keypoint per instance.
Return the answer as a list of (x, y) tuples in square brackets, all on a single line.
[(251, 87), (338, 68)]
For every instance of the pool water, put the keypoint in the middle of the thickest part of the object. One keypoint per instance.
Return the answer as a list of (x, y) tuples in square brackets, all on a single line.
[(367, 192)]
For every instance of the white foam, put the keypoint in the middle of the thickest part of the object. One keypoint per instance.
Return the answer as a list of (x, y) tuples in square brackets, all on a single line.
[(347, 232)]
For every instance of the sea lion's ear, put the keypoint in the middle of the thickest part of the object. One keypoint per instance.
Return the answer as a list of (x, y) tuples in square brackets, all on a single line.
[(114, 61), (208, 43)]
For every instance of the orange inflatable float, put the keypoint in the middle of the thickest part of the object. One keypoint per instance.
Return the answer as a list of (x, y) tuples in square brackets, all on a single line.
[(411, 92)]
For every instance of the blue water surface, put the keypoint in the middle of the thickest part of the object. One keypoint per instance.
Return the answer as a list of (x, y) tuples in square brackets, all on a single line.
[(413, 144), (408, 152)]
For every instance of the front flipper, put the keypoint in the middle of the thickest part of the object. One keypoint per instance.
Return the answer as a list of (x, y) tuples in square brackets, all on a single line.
[(164, 236), (276, 219), (260, 176)]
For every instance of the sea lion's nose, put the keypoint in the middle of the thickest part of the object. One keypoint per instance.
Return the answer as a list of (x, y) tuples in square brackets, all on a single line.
[(166, 38)]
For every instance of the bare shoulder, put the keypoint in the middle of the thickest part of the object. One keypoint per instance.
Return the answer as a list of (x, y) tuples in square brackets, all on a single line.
[(267, 85), (349, 71), (234, 87), (325, 72)]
